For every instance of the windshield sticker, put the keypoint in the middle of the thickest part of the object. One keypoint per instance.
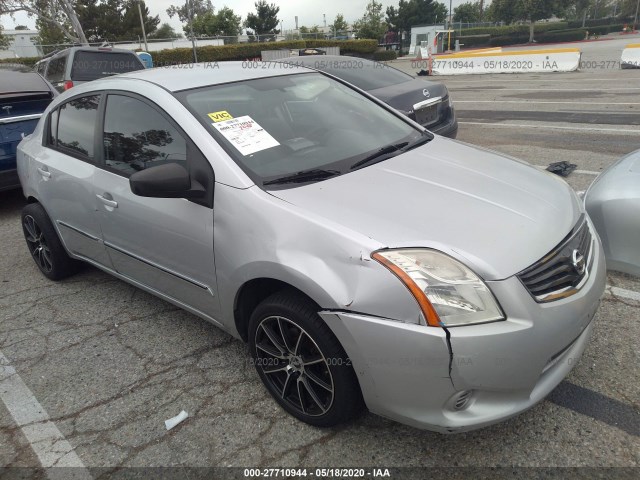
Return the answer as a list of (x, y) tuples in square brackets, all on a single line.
[(246, 135), (220, 116)]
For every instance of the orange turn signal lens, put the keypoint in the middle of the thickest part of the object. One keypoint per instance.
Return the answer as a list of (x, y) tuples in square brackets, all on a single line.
[(430, 314)]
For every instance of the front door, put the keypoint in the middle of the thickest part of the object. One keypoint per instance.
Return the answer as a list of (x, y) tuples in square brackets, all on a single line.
[(165, 244)]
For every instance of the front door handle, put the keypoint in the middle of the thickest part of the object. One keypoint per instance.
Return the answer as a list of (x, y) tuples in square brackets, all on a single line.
[(107, 201), (45, 173)]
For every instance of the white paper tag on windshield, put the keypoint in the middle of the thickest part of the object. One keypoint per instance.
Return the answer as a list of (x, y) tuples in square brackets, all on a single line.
[(246, 135)]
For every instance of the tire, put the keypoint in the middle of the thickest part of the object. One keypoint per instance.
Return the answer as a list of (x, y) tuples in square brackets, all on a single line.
[(301, 362), (44, 245)]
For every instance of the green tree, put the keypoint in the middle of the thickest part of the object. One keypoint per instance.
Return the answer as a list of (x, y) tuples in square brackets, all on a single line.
[(416, 12), (265, 20), (130, 21), (165, 31), (339, 25), (530, 11), (58, 14), (372, 24), (21, 27), (4, 40), (197, 7), (224, 23), (468, 12)]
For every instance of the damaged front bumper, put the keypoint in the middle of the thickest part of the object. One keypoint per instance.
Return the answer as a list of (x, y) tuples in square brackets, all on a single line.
[(464, 378)]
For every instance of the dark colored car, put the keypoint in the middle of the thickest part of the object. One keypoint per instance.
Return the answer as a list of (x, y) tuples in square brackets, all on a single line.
[(427, 103), (23, 98), (76, 65)]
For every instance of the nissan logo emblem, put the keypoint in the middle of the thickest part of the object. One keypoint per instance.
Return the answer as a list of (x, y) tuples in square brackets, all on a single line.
[(426, 93), (577, 259)]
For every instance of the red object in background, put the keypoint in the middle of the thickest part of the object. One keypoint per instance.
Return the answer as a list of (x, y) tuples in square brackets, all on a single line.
[(68, 84)]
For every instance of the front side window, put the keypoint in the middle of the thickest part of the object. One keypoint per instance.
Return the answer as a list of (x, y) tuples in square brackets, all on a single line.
[(302, 123), (137, 136), (76, 125)]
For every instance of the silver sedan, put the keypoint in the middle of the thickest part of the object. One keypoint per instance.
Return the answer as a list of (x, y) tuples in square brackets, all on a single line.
[(366, 261)]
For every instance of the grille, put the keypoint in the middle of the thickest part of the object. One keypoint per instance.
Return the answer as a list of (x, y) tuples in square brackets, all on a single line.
[(564, 270), (463, 400)]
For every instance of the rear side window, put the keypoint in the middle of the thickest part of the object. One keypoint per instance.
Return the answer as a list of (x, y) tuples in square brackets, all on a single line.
[(137, 136), (93, 65), (41, 67), (76, 126), (55, 72)]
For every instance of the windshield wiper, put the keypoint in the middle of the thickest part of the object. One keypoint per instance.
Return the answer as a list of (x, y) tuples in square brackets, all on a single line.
[(304, 176), (383, 154), (392, 150), (417, 142)]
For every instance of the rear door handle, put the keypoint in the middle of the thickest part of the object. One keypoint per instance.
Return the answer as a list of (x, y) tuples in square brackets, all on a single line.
[(107, 201), (45, 173)]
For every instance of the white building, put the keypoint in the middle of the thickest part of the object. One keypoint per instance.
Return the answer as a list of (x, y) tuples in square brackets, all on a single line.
[(21, 44)]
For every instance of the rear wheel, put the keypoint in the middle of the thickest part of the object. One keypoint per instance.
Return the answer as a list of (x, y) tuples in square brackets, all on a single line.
[(301, 362), (44, 245)]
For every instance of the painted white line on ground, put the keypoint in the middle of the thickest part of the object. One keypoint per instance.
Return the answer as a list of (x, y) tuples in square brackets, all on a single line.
[(48, 443), (553, 127), (621, 292), (584, 172), (529, 102), (610, 89)]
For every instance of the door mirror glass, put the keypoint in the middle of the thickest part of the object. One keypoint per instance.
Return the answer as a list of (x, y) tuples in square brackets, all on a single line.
[(169, 180)]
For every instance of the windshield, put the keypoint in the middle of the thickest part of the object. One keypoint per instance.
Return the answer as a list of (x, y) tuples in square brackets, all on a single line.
[(93, 65), (298, 128)]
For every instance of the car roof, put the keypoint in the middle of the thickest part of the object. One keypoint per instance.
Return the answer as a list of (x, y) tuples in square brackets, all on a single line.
[(194, 75), (22, 82)]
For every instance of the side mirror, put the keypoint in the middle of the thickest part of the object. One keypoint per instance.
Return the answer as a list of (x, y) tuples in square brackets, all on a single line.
[(169, 180)]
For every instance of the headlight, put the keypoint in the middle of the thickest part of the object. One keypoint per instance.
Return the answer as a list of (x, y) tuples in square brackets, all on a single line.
[(449, 294)]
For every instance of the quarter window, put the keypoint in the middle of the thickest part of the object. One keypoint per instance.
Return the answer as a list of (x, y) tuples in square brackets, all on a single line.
[(55, 72), (137, 136), (76, 125)]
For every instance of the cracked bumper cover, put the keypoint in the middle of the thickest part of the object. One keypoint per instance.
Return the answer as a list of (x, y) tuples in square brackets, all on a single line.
[(406, 372)]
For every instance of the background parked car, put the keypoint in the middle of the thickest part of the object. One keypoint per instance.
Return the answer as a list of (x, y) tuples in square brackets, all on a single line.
[(77, 65), (428, 103), (613, 202), (23, 98)]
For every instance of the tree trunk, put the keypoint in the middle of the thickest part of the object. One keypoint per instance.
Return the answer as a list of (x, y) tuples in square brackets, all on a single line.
[(73, 18), (584, 18), (531, 30)]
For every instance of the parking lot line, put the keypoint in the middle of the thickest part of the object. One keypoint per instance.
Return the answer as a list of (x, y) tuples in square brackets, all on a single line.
[(48, 443), (553, 127), (621, 292), (529, 102)]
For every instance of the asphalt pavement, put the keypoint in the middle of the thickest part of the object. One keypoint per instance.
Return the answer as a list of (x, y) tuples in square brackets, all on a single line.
[(103, 364)]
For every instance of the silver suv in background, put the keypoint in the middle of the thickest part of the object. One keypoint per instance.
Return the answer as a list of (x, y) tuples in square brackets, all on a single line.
[(76, 65)]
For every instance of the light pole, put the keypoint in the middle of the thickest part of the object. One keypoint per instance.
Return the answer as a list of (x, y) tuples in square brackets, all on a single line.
[(450, 19), (144, 35), (635, 21)]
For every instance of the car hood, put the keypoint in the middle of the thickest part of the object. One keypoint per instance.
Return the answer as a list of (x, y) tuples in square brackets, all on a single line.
[(496, 214), (403, 96)]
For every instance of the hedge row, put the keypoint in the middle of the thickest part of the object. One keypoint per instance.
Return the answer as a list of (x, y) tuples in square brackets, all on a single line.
[(28, 61), (572, 35), (513, 29), (605, 29), (385, 55), (244, 51), (470, 41), (601, 22)]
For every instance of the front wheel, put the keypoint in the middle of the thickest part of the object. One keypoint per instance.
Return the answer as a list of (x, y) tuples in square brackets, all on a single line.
[(301, 362)]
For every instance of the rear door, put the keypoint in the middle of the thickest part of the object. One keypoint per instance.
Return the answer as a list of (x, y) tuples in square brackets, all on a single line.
[(65, 167), (165, 244)]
